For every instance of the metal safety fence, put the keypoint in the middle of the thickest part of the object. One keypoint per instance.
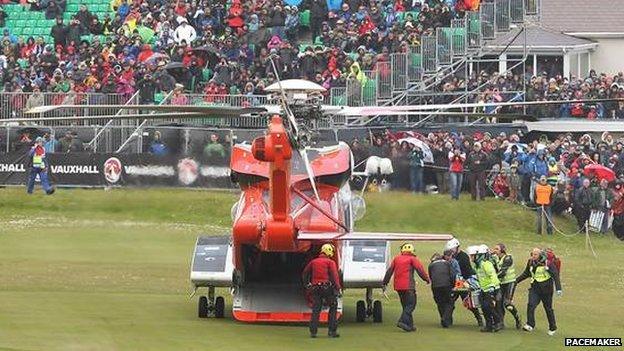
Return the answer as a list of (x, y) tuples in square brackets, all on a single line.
[(14, 105), (444, 38), (399, 71), (458, 37), (532, 7), (384, 80), (503, 20), (488, 19), (516, 11), (429, 53), (414, 64), (474, 29)]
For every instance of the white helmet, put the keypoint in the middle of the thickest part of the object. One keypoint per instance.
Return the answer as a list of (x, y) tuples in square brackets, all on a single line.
[(483, 249), (472, 249), (451, 244)]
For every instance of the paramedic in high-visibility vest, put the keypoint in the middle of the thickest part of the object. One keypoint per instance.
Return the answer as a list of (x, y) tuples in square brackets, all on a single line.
[(507, 277), (39, 167), (490, 296), (543, 276)]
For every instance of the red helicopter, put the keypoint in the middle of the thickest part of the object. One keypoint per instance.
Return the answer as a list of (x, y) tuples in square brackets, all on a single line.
[(295, 196)]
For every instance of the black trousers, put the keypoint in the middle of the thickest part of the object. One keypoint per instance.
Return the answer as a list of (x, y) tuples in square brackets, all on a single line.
[(541, 292), (443, 298), (489, 305), (408, 302), (507, 291), (525, 188), (475, 311), (618, 226), (582, 216), (324, 295), (476, 182)]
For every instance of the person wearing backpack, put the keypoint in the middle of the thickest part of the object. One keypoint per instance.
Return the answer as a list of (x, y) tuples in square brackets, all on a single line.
[(543, 276)]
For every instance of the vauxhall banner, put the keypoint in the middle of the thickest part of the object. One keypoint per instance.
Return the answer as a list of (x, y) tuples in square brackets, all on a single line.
[(85, 169)]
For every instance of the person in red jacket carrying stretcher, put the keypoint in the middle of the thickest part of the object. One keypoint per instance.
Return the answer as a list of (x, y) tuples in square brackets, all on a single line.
[(403, 267), (321, 277)]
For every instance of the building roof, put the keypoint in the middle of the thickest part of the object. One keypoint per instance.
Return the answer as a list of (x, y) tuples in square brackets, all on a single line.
[(539, 37), (574, 125), (583, 16)]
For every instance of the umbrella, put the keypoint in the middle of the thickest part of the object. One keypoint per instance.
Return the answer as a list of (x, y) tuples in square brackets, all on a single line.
[(521, 147), (208, 53), (32, 131), (175, 68), (599, 171), (146, 33), (156, 56), (424, 147)]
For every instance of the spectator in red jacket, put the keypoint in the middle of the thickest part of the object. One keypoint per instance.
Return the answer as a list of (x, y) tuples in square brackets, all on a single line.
[(321, 277), (403, 267), (456, 171)]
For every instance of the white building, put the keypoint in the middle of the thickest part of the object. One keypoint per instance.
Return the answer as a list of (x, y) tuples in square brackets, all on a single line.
[(571, 37)]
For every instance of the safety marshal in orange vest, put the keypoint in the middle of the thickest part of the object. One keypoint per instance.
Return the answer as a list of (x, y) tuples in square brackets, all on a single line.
[(543, 199), (403, 267)]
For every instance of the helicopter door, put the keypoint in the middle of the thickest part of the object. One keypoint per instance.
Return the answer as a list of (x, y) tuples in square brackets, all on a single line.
[(212, 263), (364, 263)]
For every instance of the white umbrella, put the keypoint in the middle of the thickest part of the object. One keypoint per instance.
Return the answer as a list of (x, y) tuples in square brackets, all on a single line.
[(294, 85), (421, 145), (521, 147)]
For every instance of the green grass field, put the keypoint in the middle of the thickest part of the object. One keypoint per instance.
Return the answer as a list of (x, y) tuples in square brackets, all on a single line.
[(96, 270)]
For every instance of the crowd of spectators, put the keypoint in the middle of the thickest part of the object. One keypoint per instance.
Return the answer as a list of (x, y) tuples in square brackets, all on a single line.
[(131, 49), (495, 87), (502, 166)]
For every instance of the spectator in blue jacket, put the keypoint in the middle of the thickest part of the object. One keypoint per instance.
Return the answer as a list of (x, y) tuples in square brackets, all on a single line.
[(538, 167)]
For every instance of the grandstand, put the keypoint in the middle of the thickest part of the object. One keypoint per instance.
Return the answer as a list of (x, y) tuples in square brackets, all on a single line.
[(421, 56), (23, 23)]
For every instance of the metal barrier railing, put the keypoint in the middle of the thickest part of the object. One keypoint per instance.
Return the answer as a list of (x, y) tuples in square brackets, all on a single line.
[(354, 90), (516, 8), (532, 7), (459, 37), (474, 29), (444, 38), (338, 96), (488, 20), (369, 90), (384, 80), (503, 16), (414, 65), (13, 105), (399, 71), (429, 53), (227, 100)]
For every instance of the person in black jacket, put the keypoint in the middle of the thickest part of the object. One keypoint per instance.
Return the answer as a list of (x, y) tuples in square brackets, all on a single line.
[(466, 272), (543, 275), (477, 164), (59, 33), (52, 11), (147, 89), (582, 202), (442, 282), (318, 14)]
